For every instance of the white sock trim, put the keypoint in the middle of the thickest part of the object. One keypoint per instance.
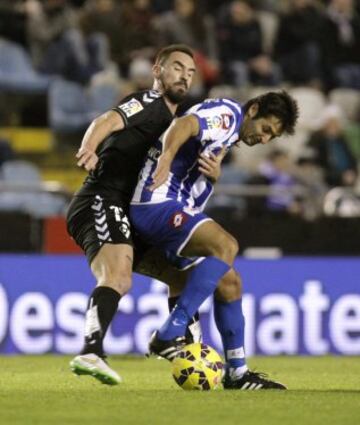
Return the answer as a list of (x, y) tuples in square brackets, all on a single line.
[(237, 372)]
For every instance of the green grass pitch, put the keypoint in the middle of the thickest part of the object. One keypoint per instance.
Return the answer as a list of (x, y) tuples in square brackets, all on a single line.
[(41, 390)]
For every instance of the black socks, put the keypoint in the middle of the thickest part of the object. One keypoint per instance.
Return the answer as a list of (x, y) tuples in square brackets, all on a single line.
[(101, 309)]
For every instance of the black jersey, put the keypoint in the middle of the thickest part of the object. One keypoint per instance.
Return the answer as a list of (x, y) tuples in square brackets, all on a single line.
[(121, 155)]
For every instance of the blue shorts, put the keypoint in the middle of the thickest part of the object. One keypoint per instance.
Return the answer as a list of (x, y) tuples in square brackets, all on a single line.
[(169, 226)]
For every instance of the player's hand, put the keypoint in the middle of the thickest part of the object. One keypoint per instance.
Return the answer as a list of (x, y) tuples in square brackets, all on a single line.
[(210, 165), (87, 159), (162, 171)]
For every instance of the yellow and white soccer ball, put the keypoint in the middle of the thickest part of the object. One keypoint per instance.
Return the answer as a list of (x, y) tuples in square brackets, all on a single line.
[(198, 367)]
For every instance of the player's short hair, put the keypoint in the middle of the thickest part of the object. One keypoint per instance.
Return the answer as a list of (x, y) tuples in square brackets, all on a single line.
[(166, 51), (281, 105)]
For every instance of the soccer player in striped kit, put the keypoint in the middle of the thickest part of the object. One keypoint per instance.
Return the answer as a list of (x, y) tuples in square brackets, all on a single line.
[(167, 211)]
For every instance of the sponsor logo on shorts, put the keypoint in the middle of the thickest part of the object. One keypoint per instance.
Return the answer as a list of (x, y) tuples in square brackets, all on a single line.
[(178, 219)]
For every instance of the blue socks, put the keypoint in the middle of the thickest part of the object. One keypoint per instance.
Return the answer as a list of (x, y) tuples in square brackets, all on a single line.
[(230, 322), (201, 283)]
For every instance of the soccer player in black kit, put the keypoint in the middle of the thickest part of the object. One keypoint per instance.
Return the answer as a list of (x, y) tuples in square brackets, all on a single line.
[(113, 150)]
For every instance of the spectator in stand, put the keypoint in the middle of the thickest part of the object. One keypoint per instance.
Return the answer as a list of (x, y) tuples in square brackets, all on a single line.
[(331, 150), (311, 177), (78, 3), (140, 77), (214, 6), (278, 173), (187, 23), (104, 16), (139, 35), (58, 46), (241, 53), (269, 5), (13, 18), (297, 47), (161, 6), (340, 40)]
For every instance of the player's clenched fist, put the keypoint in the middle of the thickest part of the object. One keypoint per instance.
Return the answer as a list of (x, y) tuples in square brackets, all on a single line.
[(87, 159), (210, 165)]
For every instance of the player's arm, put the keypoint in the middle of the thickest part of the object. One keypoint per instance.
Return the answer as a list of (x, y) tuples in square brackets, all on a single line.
[(98, 130), (178, 133)]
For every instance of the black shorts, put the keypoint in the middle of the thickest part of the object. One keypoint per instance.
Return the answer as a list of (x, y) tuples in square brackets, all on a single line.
[(95, 220)]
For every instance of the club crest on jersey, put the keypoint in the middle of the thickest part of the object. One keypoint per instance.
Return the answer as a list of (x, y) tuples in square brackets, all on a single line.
[(213, 122), (178, 219), (132, 107)]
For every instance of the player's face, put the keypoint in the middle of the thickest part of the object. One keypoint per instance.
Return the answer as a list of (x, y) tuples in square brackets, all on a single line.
[(255, 131), (176, 75)]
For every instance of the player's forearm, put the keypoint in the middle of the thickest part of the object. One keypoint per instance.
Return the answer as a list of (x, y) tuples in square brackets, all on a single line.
[(101, 128), (178, 133)]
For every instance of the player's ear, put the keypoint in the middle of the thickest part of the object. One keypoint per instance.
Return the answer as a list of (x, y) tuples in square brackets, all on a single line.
[(253, 110), (156, 69)]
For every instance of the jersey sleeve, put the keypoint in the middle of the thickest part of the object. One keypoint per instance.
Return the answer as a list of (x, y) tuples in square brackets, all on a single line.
[(137, 108), (219, 122)]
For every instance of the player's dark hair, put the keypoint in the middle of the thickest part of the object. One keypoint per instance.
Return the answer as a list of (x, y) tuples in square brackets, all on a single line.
[(165, 52), (279, 104)]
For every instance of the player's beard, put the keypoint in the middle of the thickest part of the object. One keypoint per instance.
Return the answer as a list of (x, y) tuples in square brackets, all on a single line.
[(175, 94), (249, 134)]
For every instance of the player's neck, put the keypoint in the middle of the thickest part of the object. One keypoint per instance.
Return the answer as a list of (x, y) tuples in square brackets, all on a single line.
[(171, 105)]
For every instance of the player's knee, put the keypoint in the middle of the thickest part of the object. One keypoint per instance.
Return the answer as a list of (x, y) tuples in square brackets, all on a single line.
[(230, 287), (233, 247), (114, 276), (227, 248), (176, 284)]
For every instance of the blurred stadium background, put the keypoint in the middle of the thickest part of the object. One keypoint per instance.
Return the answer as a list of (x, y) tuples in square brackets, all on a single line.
[(294, 205)]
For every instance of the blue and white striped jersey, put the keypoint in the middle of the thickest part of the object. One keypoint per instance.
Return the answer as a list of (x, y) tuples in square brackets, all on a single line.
[(220, 121)]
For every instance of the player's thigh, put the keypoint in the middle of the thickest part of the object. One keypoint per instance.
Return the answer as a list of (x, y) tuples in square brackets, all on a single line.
[(209, 238), (99, 225), (155, 264), (112, 266)]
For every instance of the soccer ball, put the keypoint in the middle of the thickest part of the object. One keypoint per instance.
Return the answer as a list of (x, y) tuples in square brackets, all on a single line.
[(198, 367)]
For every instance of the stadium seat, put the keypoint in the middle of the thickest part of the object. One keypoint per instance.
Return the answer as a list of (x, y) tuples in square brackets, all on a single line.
[(311, 103), (248, 157), (349, 102), (231, 92), (259, 90), (21, 189), (71, 106), (17, 74), (20, 172)]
